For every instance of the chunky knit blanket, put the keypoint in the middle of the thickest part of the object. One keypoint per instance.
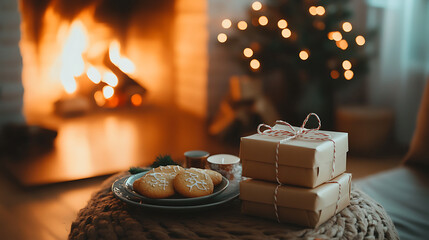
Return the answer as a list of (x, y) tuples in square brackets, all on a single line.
[(106, 217)]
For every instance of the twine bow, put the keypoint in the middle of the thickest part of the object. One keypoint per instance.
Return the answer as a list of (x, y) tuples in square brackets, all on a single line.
[(303, 133)]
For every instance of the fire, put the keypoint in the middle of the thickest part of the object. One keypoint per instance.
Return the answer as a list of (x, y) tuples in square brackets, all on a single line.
[(72, 63), (82, 59), (123, 63)]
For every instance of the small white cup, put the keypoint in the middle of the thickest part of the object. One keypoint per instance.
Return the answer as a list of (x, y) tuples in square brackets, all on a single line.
[(226, 164)]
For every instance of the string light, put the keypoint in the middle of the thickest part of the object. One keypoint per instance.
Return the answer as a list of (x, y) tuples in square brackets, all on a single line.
[(286, 33), (331, 35), (256, 6), (335, 74), (347, 65), (303, 55), (347, 27), (342, 44), (222, 37), (360, 40), (263, 20), (348, 74), (255, 64), (337, 36), (313, 10), (242, 25), (226, 23), (282, 24), (248, 52), (320, 10)]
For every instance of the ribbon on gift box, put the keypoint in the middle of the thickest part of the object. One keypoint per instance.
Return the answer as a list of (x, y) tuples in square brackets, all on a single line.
[(303, 133)]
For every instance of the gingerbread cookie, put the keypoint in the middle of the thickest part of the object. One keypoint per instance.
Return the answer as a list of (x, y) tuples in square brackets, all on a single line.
[(193, 183), (158, 182), (215, 176)]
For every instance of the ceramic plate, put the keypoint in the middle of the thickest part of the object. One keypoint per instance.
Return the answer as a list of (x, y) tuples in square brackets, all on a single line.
[(230, 193), (176, 199)]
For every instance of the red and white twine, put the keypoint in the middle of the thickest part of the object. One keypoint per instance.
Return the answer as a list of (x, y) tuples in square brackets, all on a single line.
[(301, 133)]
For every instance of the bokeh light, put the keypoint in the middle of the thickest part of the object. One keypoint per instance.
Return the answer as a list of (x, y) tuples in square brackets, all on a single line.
[(242, 25), (256, 6), (360, 40), (248, 52), (286, 33), (282, 23), (347, 65), (222, 37), (255, 64), (226, 23), (303, 55), (263, 20), (347, 27)]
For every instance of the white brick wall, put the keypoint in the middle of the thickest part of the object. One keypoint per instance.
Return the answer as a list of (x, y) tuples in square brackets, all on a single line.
[(11, 90)]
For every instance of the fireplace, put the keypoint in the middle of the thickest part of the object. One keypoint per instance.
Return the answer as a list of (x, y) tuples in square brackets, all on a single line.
[(84, 56)]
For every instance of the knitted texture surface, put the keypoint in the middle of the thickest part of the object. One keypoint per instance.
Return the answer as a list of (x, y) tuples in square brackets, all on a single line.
[(106, 217)]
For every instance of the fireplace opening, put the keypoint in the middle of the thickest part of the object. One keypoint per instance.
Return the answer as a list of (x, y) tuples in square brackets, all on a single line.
[(86, 56)]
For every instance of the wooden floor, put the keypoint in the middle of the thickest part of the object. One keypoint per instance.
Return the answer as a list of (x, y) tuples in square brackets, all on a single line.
[(46, 211)]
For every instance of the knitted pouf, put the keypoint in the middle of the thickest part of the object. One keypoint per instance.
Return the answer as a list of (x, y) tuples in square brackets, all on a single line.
[(106, 217)]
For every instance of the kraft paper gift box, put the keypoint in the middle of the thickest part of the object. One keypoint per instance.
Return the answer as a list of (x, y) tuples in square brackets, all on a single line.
[(296, 205), (302, 162)]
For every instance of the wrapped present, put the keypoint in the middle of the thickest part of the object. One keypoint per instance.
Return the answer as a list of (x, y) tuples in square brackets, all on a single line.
[(294, 156), (295, 205)]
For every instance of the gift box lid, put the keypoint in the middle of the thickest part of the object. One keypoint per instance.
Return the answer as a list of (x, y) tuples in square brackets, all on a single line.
[(294, 152), (313, 199)]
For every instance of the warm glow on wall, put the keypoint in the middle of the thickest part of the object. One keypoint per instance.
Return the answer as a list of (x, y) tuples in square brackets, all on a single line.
[(347, 27), (286, 33), (226, 23), (335, 74), (242, 25), (255, 64), (93, 75), (108, 92), (256, 6), (248, 52), (337, 36), (347, 65), (360, 40), (282, 23), (303, 55), (348, 74), (342, 44), (263, 20), (222, 37), (320, 10)]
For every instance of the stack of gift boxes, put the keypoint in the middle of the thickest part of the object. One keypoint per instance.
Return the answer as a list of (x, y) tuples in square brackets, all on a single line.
[(295, 175)]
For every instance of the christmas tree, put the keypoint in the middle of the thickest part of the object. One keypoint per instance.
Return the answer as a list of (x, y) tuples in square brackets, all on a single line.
[(309, 45)]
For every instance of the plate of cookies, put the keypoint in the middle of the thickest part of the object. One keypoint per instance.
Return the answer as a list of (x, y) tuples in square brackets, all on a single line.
[(173, 185)]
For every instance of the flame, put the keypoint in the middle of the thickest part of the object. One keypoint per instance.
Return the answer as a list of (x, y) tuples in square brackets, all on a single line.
[(72, 63), (110, 78), (123, 63), (108, 92), (94, 75)]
